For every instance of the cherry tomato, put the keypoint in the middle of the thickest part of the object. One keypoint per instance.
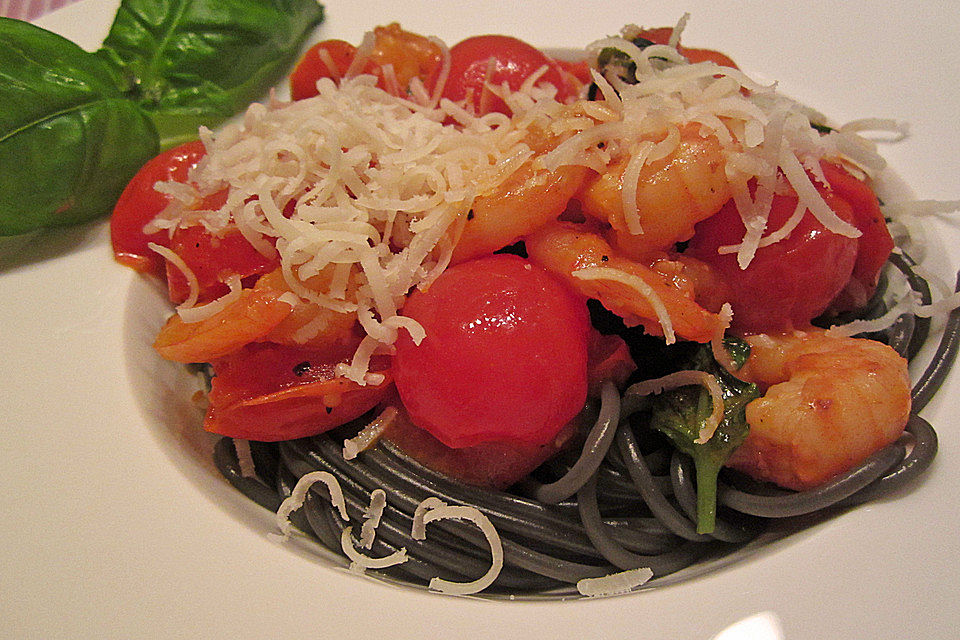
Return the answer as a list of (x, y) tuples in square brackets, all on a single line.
[(488, 464), (497, 59), (504, 357), (662, 35), (140, 203), (787, 283), (409, 55), (875, 243), (213, 259), (312, 67), (270, 392)]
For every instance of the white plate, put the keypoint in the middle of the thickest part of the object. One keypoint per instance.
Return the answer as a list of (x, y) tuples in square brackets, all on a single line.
[(112, 527)]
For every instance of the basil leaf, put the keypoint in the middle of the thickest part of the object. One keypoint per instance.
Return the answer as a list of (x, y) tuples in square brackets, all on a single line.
[(192, 62), (69, 140), (679, 414)]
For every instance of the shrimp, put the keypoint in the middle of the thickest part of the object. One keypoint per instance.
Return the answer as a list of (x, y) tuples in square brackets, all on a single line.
[(264, 313), (310, 324), (673, 194), (830, 402), (663, 302), (526, 200)]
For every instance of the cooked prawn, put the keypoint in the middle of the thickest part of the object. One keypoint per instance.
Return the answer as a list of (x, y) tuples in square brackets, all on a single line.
[(830, 402), (526, 200), (269, 311), (310, 324), (673, 193), (659, 300)]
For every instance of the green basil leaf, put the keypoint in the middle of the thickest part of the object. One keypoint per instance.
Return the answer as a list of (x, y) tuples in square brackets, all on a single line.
[(69, 139), (191, 62)]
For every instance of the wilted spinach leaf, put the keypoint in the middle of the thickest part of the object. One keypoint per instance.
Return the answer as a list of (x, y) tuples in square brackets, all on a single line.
[(679, 414), (69, 139)]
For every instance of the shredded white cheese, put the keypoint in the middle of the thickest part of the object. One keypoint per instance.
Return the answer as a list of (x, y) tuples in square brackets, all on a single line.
[(371, 518), (368, 436), (433, 509), (614, 583), (296, 498), (360, 562)]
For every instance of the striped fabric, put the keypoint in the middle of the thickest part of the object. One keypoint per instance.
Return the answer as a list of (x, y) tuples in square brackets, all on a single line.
[(30, 9)]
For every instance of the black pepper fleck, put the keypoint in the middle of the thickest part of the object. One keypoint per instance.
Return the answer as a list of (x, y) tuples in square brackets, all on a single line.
[(300, 369)]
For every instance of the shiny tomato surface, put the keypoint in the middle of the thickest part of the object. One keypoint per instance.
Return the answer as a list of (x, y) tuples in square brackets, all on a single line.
[(504, 357), (140, 203), (270, 392), (787, 283), (492, 59)]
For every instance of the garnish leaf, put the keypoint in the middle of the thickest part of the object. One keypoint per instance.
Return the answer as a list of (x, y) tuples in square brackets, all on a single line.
[(69, 139), (680, 413), (76, 126), (193, 62)]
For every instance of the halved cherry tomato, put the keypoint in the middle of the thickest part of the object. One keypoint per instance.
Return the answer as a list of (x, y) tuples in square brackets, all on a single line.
[(787, 283), (493, 59), (140, 203), (504, 357), (270, 392), (875, 243)]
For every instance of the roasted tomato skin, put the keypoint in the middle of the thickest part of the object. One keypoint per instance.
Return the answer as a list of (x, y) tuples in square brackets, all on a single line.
[(269, 392), (504, 357)]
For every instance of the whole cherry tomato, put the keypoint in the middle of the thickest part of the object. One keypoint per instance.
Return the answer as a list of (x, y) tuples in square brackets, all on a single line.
[(504, 357), (788, 283), (140, 203), (480, 60)]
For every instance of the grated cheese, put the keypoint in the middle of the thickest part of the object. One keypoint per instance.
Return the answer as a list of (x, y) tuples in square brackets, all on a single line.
[(615, 583), (369, 435), (360, 562), (299, 494), (433, 509), (372, 516)]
